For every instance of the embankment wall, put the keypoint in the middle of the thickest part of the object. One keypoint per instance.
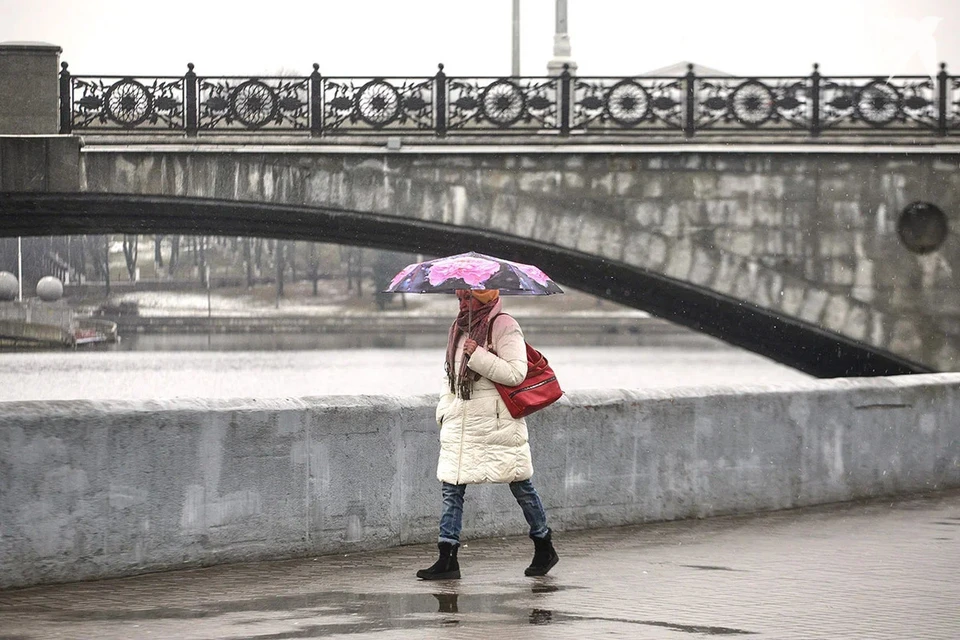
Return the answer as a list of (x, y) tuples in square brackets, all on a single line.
[(97, 489)]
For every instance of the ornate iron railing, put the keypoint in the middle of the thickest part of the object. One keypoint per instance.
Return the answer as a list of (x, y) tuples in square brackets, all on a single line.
[(360, 105), (265, 103), (123, 103), (632, 104), (442, 105)]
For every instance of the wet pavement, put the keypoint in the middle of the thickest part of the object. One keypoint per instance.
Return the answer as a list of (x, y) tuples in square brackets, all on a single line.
[(868, 571)]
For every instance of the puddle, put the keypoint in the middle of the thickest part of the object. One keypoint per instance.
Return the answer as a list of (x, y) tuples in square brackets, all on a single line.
[(339, 612), (323, 613), (333, 612)]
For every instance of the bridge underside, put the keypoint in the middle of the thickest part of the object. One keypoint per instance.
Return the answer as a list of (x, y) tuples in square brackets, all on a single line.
[(787, 340)]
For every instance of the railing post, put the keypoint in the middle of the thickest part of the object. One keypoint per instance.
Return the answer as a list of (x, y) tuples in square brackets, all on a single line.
[(316, 101), (190, 100), (565, 100), (440, 87), (66, 100), (942, 89), (815, 98), (689, 122)]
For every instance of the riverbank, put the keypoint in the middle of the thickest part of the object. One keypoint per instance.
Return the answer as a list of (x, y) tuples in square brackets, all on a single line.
[(551, 329), (574, 318), (332, 299)]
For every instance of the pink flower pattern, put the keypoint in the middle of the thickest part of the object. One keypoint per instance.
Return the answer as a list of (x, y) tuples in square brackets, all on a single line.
[(473, 271), (403, 274), (536, 274)]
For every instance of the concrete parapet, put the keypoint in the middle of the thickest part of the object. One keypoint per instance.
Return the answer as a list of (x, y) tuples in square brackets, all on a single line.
[(31, 322), (97, 489)]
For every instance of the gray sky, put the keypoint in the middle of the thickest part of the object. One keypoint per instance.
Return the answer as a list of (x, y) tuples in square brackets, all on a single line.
[(409, 37)]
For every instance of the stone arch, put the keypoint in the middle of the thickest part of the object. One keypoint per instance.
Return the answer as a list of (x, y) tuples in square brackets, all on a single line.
[(785, 339)]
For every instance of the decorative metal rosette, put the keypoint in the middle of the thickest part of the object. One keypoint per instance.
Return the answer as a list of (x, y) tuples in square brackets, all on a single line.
[(878, 103), (128, 102), (753, 103), (503, 103), (627, 103), (253, 104), (377, 103)]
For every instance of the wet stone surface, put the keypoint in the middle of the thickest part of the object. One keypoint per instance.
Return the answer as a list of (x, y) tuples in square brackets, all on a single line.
[(877, 570)]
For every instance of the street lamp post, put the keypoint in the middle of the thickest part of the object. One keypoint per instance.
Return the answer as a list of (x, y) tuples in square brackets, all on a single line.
[(515, 66), (19, 270), (561, 44)]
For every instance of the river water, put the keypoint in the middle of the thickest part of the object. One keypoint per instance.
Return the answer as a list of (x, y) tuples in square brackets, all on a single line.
[(203, 373)]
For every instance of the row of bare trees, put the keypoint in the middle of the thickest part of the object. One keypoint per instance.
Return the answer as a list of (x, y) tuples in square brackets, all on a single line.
[(208, 261)]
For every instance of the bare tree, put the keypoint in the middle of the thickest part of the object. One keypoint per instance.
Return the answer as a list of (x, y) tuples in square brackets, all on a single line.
[(281, 267), (248, 261), (106, 264), (82, 258), (313, 266), (291, 258), (130, 244), (174, 254), (201, 261), (93, 245), (353, 256)]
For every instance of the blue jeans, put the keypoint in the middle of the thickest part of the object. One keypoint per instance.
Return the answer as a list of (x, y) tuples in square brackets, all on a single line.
[(451, 520)]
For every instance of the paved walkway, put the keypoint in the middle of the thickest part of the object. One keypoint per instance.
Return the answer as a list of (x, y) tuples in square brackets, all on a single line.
[(869, 571)]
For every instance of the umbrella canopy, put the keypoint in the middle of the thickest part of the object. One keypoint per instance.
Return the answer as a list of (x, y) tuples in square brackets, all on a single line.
[(473, 271)]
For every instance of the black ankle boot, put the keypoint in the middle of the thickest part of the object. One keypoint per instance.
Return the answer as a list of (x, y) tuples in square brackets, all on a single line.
[(544, 556), (446, 567)]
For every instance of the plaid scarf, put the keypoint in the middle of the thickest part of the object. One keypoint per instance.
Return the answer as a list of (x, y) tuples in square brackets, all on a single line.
[(473, 320)]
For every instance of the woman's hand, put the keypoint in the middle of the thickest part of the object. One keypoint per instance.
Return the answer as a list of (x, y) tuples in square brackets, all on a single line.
[(469, 347)]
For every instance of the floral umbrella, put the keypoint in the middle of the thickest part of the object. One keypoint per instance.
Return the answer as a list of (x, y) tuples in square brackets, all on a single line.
[(473, 271)]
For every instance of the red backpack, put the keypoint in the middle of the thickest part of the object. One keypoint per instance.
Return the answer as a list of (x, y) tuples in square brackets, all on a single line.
[(538, 390)]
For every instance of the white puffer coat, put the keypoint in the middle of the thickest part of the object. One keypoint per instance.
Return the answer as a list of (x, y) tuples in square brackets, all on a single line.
[(479, 440)]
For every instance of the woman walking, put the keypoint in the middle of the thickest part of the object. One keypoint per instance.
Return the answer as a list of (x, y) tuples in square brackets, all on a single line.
[(479, 440)]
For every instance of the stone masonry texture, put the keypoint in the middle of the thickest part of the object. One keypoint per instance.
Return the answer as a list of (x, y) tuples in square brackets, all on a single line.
[(811, 235)]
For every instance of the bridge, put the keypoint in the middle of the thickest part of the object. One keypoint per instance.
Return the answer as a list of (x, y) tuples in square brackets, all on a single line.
[(807, 219)]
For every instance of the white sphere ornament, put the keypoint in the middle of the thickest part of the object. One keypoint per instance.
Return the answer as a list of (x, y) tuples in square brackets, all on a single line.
[(9, 287), (49, 289)]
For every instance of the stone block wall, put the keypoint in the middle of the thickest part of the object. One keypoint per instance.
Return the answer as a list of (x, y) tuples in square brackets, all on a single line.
[(809, 235), (97, 489), (39, 163)]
